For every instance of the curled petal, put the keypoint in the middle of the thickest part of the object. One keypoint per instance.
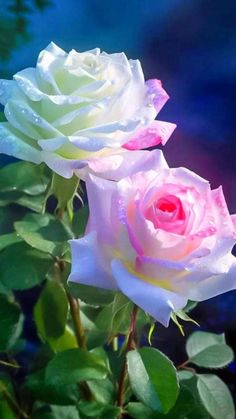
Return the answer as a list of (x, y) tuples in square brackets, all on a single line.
[(157, 95), (158, 132)]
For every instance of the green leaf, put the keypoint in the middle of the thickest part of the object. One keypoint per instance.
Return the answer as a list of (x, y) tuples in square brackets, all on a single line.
[(11, 321), (96, 338), (24, 177), (185, 374), (44, 232), (189, 383), (115, 317), (216, 356), (102, 390), (184, 405), (54, 393), (64, 189), (75, 365), (34, 203), (8, 215), (98, 410), (215, 397), (146, 369), (182, 408), (50, 311), (208, 350), (66, 341), (56, 412), (91, 295), (138, 410), (8, 239), (22, 267), (79, 222)]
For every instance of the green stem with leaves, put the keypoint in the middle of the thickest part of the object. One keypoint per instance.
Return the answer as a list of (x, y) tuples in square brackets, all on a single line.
[(129, 347)]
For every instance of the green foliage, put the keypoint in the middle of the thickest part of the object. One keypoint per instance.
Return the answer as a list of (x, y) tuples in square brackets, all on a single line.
[(215, 396), (24, 177), (63, 189), (208, 350), (146, 368), (56, 412), (50, 311), (25, 184), (97, 410), (62, 380), (91, 295), (53, 393), (73, 366), (44, 232), (115, 317), (29, 268), (11, 320), (79, 221)]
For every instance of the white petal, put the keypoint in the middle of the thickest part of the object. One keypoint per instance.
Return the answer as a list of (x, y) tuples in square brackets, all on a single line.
[(88, 266), (12, 144), (154, 300)]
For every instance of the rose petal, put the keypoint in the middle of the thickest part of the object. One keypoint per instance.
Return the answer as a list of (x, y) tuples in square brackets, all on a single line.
[(157, 94), (158, 132), (214, 285), (12, 144), (88, 265), (155, 300)]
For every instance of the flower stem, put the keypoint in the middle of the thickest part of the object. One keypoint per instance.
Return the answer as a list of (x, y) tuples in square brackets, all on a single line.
[(75, 314), (129, 347)]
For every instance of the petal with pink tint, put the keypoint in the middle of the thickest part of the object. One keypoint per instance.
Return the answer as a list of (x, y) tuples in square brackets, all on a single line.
[(156, 93), (158, 132)]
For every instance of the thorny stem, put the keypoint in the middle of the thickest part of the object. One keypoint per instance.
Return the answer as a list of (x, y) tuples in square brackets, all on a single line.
[(129, 347)]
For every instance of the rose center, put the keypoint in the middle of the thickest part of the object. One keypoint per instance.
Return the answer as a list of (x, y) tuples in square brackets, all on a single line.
[(165, 205)]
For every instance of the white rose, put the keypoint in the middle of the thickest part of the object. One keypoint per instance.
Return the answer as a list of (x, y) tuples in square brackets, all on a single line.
[(76, 106)]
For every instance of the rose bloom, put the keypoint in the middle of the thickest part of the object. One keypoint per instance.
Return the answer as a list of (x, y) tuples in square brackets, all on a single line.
[(160, 236), (73, 107)]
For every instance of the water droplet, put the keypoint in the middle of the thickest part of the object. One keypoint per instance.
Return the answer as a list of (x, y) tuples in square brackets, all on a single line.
[(212, 230)]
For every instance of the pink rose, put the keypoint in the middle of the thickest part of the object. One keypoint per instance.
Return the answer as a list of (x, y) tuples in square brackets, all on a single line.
[(161, 236)]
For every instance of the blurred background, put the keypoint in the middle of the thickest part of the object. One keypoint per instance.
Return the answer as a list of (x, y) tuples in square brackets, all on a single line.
[(189, 45)]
